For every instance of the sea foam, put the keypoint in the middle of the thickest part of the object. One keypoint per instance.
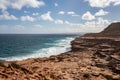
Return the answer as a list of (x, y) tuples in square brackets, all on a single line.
[(60, 46)]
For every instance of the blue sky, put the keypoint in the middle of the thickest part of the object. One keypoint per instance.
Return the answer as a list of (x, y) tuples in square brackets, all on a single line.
[(57, 16)]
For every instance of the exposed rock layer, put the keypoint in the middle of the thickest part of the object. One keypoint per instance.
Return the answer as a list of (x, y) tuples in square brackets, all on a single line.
[(113, 30)]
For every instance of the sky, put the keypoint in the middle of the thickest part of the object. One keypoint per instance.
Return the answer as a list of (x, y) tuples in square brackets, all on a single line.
[(57, 16)]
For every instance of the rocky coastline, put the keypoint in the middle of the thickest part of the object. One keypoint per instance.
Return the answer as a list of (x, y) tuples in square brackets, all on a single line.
[(93, 56)]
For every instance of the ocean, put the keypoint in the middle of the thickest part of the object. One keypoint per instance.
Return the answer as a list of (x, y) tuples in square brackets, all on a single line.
[(24, 46)]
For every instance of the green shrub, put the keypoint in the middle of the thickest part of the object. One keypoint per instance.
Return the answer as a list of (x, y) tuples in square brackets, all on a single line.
[(26, 70), (14, 65), (86, 75), (2, 64)]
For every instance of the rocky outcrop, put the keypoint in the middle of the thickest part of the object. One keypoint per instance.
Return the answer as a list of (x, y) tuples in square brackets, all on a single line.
[(105, 47), (113, 30)]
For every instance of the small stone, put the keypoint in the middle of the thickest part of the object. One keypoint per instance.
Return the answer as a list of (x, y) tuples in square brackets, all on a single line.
[(95, 74)]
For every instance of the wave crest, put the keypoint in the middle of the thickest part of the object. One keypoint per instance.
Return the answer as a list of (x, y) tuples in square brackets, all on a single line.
[(60, 46)]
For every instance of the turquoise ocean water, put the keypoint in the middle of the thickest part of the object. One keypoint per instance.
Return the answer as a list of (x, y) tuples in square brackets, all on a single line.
[(23, 46)]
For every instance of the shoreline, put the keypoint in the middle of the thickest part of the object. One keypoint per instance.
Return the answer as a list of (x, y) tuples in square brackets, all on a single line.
[(91, 58), (82, 56), (40, 53)]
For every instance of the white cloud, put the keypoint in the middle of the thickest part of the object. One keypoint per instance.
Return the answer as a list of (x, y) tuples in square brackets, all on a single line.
[(90, 26), (88, 16), (18, 4), (26, 11), (27, 18), (47, 16), (101, 13), (71, 13), (103, 3), (3, 4), (116, 2), (99, 3), (75, 15), (56, 4), (101, 21), (72, 24), (11, 29), (20, 29), (38, 26), (7, 16), (61, 12), (67, 22), (114, 21), (58, 21), (96, 26), (35, 14)]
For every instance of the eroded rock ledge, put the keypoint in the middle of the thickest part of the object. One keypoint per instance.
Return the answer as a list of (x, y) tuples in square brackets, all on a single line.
[(105, 54)]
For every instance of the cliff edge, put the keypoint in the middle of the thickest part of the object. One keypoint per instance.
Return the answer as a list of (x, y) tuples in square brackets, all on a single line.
[(105, 49), (113, 30)]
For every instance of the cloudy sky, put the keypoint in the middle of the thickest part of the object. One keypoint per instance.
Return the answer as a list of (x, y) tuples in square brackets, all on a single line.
[(57, 16)]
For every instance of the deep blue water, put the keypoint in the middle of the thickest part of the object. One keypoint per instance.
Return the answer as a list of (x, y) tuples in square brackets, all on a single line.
[(23, 46)]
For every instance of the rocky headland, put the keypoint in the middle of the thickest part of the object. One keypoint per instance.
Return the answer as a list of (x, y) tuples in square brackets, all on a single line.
[(94, 56)]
